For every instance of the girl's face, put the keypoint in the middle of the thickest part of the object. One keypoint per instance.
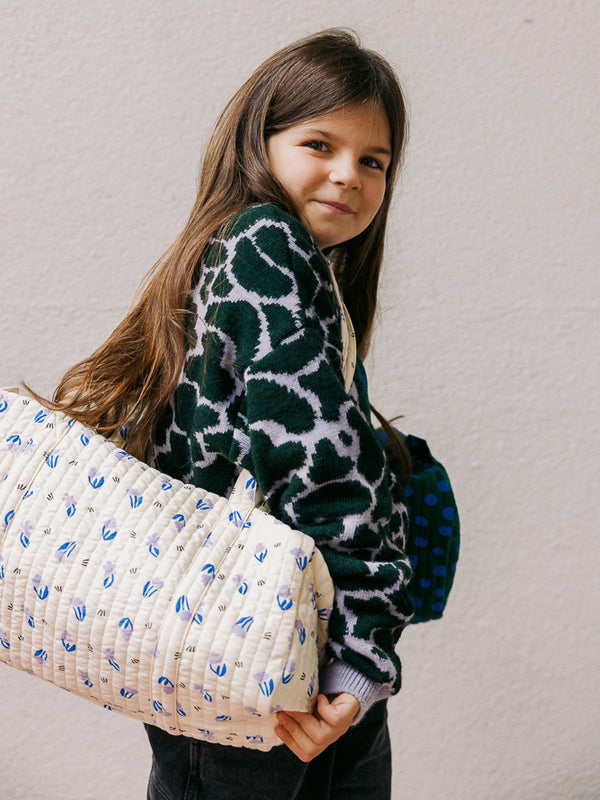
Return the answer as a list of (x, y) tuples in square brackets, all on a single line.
[(334, 169)]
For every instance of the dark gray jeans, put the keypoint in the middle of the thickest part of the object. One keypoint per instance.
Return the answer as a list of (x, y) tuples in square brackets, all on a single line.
[(356, 767)]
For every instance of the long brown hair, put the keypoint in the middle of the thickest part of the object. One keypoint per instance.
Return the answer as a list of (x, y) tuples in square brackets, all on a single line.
[(132, 376)]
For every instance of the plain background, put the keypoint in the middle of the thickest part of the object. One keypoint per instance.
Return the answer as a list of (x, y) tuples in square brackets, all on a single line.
[(487, 342)]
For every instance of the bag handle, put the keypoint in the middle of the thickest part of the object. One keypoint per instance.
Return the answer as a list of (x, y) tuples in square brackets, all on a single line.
[(348, 335)]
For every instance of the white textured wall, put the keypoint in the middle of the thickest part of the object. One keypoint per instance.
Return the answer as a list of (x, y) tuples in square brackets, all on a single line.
[(487, 343)]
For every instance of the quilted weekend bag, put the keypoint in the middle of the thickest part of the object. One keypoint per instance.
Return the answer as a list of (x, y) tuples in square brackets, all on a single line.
[(108, 569)]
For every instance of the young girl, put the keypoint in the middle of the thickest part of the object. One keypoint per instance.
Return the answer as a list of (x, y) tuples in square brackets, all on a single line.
[(232, 358)]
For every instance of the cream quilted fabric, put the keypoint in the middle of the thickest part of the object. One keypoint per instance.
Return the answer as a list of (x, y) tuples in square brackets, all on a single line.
[(147, 596)]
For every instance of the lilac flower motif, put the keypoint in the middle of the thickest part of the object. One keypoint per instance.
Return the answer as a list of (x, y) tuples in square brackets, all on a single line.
[(70, 503), (8, 518), (324, 614), (242, 626), (24, 534), (204, 504), (284, 598), (85, 678), (208, 571), (180, 711), (288, 671), (121, 455), (135, 498), (152, 587), (182, 608), (223, 718), (1, 566), (85, 437), (52, 458), (4, 641), (29, 615), (205, 693), (28, 493), (14, 443), (64, 551), (109, 574), (301, 558), (301, 631), (160, 709), (311, 685), (109, 655), (198, 616), (95, 479), (28, 446), (109, 530), (255, 739), (79, 608), (68, 642), (206, 734), (41, 415), (166, 482), (252, 711), (3, 402), (179, 521), (251, 488), (208, 542), (39, 587), (236, 519), (167, 686), (126, 627), (216, 665), (152, 542), (260, 552), (265, 683), (241, 582), (313, 595), (127, 692)]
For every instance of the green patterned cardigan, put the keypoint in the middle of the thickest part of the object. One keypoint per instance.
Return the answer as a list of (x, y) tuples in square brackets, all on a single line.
[(262, 389)]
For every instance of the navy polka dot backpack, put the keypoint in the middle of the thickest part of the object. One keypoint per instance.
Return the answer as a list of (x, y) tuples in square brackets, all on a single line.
[(433, 539)]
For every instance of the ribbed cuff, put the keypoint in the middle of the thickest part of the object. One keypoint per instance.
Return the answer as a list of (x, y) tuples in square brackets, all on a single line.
[(338, 677)]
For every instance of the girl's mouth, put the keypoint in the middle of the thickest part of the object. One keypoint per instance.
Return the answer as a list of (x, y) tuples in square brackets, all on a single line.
[(337, 208)]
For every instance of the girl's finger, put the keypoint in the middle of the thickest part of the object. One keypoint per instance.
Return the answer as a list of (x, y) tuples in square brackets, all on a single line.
[(307, 723), (284, 735), (306, 732), (340, 711), (292, 735)]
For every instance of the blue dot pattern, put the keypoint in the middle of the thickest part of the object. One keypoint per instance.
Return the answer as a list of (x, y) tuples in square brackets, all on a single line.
[(433, 539)]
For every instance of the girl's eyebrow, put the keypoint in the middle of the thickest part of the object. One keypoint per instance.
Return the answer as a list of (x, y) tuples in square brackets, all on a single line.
[(328, 135)]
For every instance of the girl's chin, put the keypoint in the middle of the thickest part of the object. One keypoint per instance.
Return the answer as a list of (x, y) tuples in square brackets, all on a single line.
[(325, 240), (324, 236)]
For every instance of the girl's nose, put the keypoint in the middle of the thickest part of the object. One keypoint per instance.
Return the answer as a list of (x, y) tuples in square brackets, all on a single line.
[(345, 173)]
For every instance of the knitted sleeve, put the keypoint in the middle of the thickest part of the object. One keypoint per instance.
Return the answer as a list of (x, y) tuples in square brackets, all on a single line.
[(263, 389)]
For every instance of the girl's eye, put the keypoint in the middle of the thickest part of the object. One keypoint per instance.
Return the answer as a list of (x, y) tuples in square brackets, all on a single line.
[(372, 163), (317, 145)]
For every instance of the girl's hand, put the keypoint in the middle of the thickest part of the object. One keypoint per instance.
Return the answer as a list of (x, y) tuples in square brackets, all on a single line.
[(307, 735)]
